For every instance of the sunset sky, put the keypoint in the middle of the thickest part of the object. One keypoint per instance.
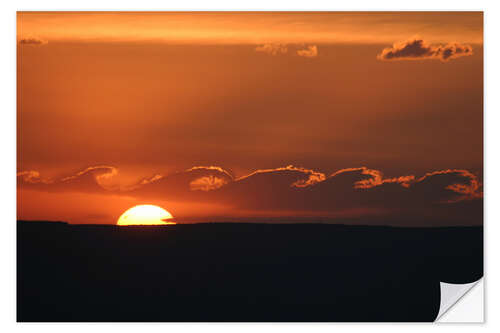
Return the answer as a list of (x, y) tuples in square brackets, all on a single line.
[(358, 117)]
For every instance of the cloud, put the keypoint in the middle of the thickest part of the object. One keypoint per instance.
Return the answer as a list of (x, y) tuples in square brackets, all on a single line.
[(149, 180), (190, 184), (272, 49), (375, 178), (450, 196), (416, 48), (32, 41), (207, 183), (101, 174), (453, 51), (208, 168), (91, 179), (310, 51), (30, 177), (311, 175), (459, 184)]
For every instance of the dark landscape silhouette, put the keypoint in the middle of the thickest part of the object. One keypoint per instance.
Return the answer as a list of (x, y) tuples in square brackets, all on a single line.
[(239, 272)]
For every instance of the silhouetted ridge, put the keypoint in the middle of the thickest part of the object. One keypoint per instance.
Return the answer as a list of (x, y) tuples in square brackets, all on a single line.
[(240, 272), (41, 223)]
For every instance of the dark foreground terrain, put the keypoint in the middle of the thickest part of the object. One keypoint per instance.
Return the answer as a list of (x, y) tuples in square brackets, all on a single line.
[(239, 272)]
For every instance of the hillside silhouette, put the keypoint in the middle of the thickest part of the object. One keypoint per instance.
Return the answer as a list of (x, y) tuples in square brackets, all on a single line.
[(239, 272)]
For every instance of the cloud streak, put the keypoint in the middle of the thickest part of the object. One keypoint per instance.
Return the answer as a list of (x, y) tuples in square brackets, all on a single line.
[(32, 41), (274, 49), (417, 49)]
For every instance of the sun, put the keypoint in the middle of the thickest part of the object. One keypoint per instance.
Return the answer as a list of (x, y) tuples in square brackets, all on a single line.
[(145, 215)]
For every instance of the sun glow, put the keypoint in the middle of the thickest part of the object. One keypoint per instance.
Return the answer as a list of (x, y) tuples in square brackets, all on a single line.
[(145, 215)]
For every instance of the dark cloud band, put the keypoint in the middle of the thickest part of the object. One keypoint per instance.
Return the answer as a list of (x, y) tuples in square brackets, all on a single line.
[(351, 191)]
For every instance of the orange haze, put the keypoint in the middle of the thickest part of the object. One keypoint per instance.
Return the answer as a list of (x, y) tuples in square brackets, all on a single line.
[(142, 98)]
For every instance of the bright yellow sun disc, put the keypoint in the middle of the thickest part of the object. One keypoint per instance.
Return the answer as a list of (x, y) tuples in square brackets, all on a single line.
[(145, 215)]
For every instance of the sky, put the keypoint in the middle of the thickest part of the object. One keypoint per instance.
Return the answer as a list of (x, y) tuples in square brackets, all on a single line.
[(347, 117)]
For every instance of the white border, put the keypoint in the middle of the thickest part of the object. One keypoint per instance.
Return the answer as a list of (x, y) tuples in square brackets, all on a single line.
[(8, 114), (255, 5)]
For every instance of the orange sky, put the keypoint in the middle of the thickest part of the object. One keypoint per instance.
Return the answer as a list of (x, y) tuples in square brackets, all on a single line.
[(158, 93), (251, 27)]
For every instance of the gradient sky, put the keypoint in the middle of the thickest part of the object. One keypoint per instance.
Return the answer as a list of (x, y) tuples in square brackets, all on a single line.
[(115, 109)]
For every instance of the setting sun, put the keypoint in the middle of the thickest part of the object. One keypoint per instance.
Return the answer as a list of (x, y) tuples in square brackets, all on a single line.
[(145, 215)]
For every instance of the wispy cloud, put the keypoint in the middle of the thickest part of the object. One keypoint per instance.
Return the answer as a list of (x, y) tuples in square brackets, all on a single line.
[(272, 49)]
